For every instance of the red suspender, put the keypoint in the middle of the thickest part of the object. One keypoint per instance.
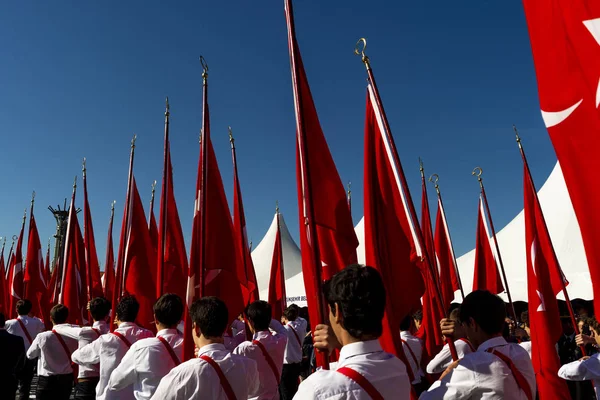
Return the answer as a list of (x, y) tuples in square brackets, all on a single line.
[(123, 338), (170, 350), (269, 359), (469, 343), (521, 381), (361, 381), (25, 330), (224, 382), (63, 344), (97, 331), (296, 334), (412, 354)]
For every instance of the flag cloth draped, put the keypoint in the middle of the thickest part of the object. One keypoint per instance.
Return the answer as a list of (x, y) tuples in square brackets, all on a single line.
[(109, 263), (543, 284), (277, 296), (94, 284), (153, 230), (486, 275), (3, 305), (565, 40), (15, 274), (444, 255), (35, 285), (47, 268)]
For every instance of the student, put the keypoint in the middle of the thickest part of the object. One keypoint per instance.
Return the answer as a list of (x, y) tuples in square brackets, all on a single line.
[(12, 360), (216, 374), (27, 328), (356, 297), (266, 349), (148, 360), (588, 367), (443, 359), (53, 350), (292, 361), (109, 349), (413, 351), (485, 373)]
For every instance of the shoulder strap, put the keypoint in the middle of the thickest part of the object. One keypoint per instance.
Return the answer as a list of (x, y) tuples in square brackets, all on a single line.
[(123, 338), (97, 331), (24, 329), (63, 344), (411, 353), (469, 343), (521, 381), (224, 382), (361, 381), (296, 334), (170, 350), (268, 358)]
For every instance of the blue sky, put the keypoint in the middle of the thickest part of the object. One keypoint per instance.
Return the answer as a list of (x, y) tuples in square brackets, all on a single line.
[(78, 79)]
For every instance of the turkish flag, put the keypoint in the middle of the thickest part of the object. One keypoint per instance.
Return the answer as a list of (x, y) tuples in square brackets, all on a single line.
[(15, 275), (109, 263), (277, 297), (153, 230), (543, 284), (444, 255), (35, 285), (486, 275), (94, 284), (391, 242), (565, 39)]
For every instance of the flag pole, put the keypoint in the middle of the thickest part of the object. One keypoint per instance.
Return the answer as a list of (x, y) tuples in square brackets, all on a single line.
[(72, 209), (434, 268), (163, 209), (413, 214), (204, 138), (30, 217), (563, 278), (434, 179), (477, 172), (349, 196), (88, 269), (151, 202), (238, 189)]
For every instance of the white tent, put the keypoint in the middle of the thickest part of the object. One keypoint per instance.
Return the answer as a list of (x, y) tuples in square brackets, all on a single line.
[(565, 234), (262, 256)]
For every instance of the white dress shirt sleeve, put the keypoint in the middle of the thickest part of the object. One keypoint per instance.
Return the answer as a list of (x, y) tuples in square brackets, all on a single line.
[(581, 370), (125, 374), (277, 327), (173, 386), (306, 391), (458, 384), (440, 362), (252, 378), (34, 350), (88, 355)]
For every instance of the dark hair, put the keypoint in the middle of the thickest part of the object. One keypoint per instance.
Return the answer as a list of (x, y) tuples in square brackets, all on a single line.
[(127, 309), (210, 315), (24, 307), (418, 315), (99, 308), (486, 309), (360, 295), (168, 309), (59, 314), (525, 318), (291, 312), (405, 324), (2, 320), (593, 324), (455, 315), (259, 313)]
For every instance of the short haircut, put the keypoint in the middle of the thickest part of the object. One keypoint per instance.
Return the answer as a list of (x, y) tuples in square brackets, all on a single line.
[(455, 315), (405, 324), (259, 313), (486, 309), (359, 292), (2, 320), (24, 307), (291, 312), (59, 314), (418, 315), (593, 324), (99, 308), (168, 309), (127, 309), (210, 315), (525, 318)]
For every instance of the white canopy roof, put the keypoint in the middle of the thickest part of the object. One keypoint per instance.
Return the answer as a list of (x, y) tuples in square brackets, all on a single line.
[(262, 256), (564, 232)]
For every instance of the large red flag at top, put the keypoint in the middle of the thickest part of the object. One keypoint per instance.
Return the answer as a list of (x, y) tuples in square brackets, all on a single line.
[(35, 285), (94, 284), (109, 264), (449, 282), (543, 284), (565, 39), (486, 275), (277, 296), (15, 274)]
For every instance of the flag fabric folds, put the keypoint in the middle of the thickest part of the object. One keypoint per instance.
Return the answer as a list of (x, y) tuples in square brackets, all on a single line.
[(565, 41), (277, 297), (3, 305), (15, 274), (109, 264), (34, 280), (153, 230), (94, 285), (47, 267), (444, 256), (486, 275)]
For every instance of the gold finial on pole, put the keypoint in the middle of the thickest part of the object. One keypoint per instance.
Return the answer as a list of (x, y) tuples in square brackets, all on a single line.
[(360, 51), (518, 137), (434, 179), (231, 139), (83, 169), (167, 108), (421, 169), (74, 183), (32, 198), (24, 216), (112, 206), (14, 238), (153, 188), (477, 172), (133, 141), (204, 69)]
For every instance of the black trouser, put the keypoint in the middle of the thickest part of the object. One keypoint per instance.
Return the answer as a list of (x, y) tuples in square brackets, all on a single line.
[(24, 377), (289, 380), (54, 387), (85, 389)]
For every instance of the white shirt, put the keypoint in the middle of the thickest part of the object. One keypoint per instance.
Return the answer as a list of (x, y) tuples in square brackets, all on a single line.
[(441, 361), (526, 346), (588, 370), (383, 370), (482, 375), (415, 346), (197, 379), (296, 330), (33, 325), (275, 346), (51, 355), (144, 365), (108, 350)]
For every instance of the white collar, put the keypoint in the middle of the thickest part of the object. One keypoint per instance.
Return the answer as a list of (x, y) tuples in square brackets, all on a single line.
[(98, 324), (211, 347), (354, 349), (164, 332), (493, 342)]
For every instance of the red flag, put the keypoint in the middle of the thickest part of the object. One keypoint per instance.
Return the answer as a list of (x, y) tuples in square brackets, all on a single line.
[(153, 230), (277, 297), (391, 244), (3, 305), (486, 275), (15, 274), (53, 289), (444, 253), (35, 285), (249, 285), (47, 267), (543, 284), (109, 264), (94, 284)]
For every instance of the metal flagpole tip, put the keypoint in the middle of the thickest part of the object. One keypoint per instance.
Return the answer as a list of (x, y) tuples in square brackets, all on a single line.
[(83, 165), (204, 67), (167, 107), (517, 134), (133, 141), (276, 206), (231, 140), (15, 238), (359, 50), (477, 171)]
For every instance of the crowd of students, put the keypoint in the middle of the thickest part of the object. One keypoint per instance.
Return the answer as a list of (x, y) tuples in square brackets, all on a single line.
[(278, 362)]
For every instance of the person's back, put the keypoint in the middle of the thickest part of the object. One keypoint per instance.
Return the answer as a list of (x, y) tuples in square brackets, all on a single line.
[(266, 349), (13, 359), (356, 298), (413, 350), (443, 359), (216, 374)]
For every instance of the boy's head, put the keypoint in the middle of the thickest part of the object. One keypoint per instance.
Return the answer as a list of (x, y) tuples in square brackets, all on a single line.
[(24, 307), (482, 314), (210, 317), (259, 316), (99, 308), (356, 298), (168, 311), (127, 309), (290, 313), (59, 314)]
